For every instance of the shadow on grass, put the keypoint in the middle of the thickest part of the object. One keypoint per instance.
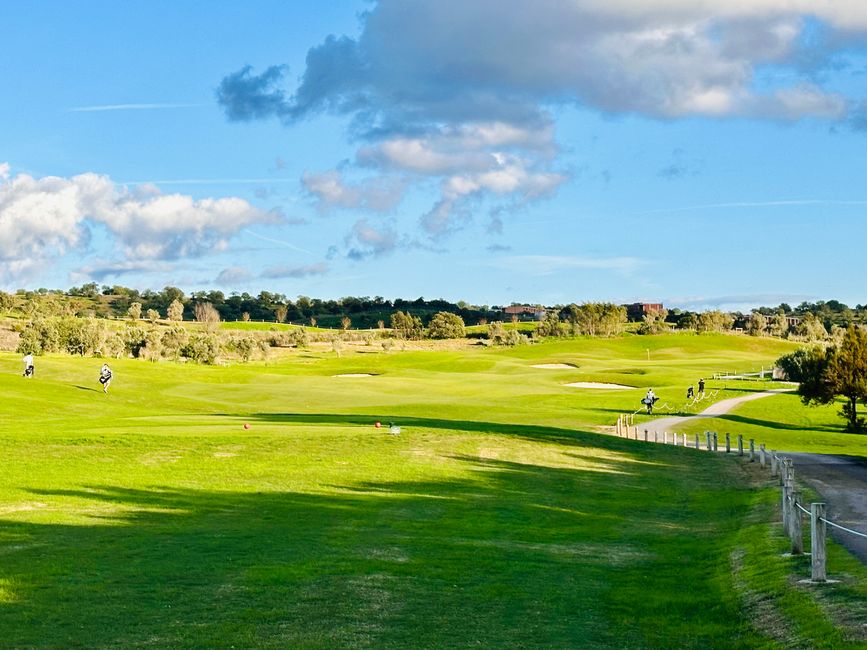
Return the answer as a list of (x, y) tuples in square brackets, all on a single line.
[(510, 554), (557, 435), (87, 388), (780, 426)]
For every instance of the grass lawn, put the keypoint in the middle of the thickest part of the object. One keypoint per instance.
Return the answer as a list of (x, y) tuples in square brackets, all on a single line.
[(152, 517), (783, 423)]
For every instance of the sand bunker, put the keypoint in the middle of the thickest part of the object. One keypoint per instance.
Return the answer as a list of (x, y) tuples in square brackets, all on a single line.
[(596, 384), (355, 374), (556, 366)]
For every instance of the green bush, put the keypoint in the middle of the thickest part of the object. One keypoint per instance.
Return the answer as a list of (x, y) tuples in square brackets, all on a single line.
[(445, 325), (407, 326), (201, 348)]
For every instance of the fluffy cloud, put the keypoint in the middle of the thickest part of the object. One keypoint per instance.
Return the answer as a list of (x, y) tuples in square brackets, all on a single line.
[(461, 92), (233, 275), (331, 190), (453, 61), (367, 240), (42, 217)]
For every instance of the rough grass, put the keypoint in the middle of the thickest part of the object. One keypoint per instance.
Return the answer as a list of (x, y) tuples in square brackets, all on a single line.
[(151, 517)]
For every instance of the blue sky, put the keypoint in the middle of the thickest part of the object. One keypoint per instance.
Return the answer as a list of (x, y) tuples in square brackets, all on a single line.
[(704, 154)]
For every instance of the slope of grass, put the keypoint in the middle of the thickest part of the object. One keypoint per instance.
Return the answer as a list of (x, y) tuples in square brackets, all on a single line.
[(783, 423), (151, 516)]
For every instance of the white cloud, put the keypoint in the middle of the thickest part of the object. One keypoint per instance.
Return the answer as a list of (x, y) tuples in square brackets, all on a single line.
[(463, 92), (331, 190), (46, 217), (233, 275), (367, 240)]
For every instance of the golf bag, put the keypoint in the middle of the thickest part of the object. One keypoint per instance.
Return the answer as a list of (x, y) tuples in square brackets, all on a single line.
[(649, 402), (28, 371)]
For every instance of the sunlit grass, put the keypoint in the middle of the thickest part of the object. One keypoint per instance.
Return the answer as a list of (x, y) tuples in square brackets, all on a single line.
[(152, 516)]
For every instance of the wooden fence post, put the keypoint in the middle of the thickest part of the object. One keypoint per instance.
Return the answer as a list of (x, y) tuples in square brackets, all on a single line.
[(696, 441), (752, 450), (740, 445), (645, 435), (773, 462), (665, 437), (817, 541), (655, 435), (797, 530), (783, 510), (788, 500), (728, 443), (715, 441), (762, 454), (707, 439)]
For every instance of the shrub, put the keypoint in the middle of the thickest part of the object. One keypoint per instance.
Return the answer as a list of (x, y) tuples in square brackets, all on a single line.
[(244, 346), (445, 325), (173, 341), (134, 340), (201, 348), (551, 326)]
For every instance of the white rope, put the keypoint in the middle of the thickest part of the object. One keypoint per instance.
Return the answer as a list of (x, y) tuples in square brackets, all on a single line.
[(848, 530), (828, 521)]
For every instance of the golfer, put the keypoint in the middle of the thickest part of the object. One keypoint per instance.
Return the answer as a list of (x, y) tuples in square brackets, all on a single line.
[(649, 400), (105, 377), (28, 365), (690, 393), (701, 387)]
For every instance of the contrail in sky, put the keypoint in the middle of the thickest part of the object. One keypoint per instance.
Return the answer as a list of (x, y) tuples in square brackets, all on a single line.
[(277, 241), (129, 107), (757, 204), (210, 181)]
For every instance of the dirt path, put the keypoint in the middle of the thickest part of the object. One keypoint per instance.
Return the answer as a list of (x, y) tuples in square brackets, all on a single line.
[(842, 482), (714, 410)]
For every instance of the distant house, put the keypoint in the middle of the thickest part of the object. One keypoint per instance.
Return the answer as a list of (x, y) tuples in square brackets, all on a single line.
[(793, 321), (638, 310), (526, 312)]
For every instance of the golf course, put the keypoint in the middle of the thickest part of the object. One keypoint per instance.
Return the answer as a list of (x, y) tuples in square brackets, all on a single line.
[(259, 505)]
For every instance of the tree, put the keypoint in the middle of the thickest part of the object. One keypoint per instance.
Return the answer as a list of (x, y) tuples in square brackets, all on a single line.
[(597, 319), (406, 326), (205, 312), (811, 328), (445, 325), (714, 321), (345, 322), (153, 315), (758, 324), (175, 311), (134, 310), (654, 322), (778, 325), (551, 326), (280, 313), (838, 371)]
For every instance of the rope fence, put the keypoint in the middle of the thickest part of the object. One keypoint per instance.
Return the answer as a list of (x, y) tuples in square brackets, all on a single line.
[(782, 467)]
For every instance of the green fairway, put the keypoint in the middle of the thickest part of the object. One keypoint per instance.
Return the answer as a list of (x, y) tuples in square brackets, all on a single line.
[(496, 518)]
